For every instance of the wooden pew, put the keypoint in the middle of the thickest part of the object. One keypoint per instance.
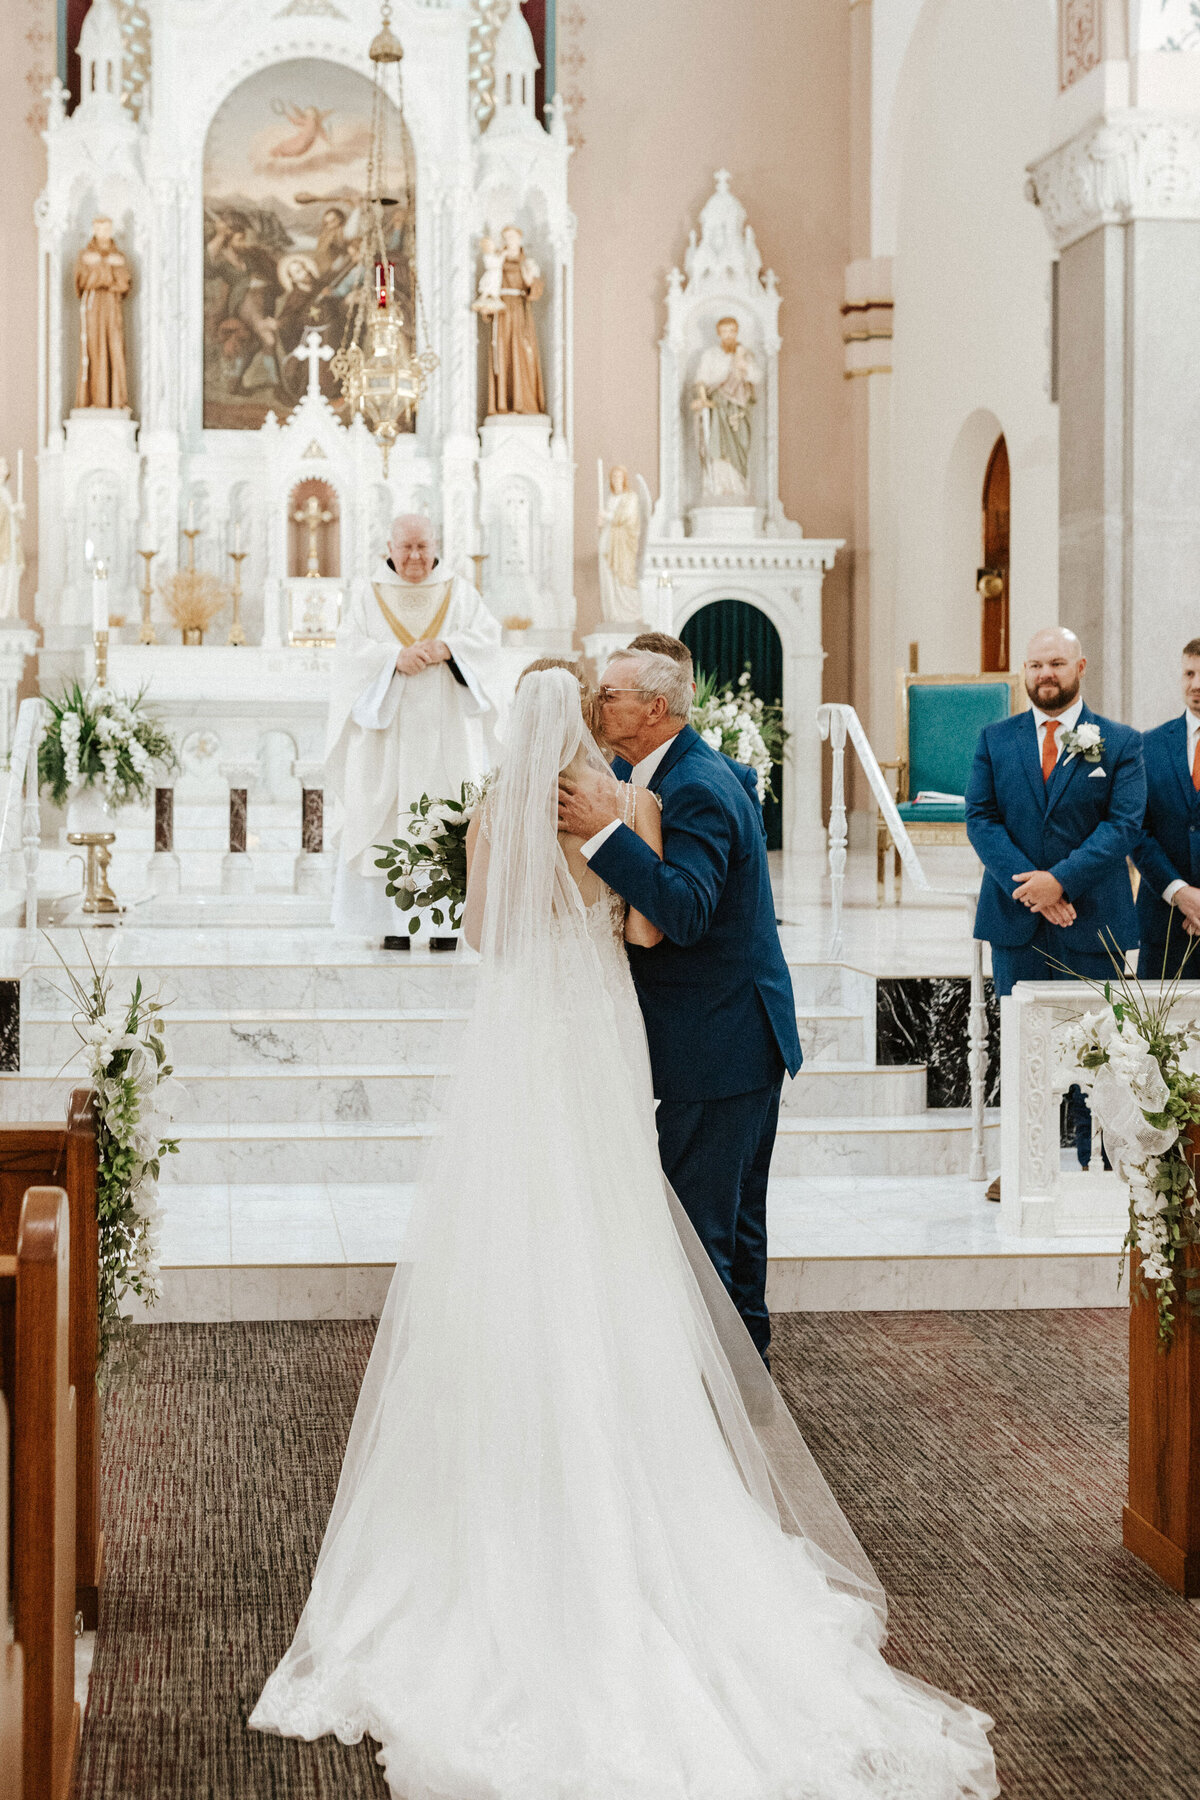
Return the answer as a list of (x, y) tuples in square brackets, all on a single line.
[(34, 1358), (65, 1155), (11, 1681)]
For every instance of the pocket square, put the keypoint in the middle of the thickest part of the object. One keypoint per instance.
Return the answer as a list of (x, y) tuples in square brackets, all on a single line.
[(1097, 775)]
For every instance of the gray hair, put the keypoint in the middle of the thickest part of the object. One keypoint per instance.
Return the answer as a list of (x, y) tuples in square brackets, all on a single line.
[(659, 675), (412, 518)]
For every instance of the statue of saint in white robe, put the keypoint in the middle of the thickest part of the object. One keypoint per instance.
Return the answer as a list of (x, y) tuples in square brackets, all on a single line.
[(395, 737)]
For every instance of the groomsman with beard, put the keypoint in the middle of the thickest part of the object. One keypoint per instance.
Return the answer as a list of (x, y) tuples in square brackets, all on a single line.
[(1168, 854), (1054, 807)]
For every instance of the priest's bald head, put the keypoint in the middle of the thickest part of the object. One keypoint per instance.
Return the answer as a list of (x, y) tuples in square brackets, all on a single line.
[(412, 546)]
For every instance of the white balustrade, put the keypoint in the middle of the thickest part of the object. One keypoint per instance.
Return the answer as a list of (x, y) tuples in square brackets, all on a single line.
[(19, 819), (841, 725)]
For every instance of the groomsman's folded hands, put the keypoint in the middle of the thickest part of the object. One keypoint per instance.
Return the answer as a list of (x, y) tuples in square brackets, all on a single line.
[(1042, 893)]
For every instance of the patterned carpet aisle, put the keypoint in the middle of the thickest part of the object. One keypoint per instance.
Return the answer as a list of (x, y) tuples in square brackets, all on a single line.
[(979, 1455)]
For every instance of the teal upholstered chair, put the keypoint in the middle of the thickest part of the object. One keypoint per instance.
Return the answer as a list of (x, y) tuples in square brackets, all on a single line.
[(939, 718)]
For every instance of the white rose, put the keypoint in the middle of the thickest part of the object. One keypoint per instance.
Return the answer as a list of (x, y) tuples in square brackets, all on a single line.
[(1087, 736)]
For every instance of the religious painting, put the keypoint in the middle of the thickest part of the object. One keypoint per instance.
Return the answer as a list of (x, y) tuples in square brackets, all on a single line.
[(285, 168)]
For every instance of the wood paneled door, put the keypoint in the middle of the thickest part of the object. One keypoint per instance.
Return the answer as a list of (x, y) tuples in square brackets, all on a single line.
[(993, 577)]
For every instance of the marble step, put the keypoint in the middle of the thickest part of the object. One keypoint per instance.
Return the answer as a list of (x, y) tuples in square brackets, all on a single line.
[(363, 978), (386, 1095), (368, 1151), (220, 1038), (325, 1250)]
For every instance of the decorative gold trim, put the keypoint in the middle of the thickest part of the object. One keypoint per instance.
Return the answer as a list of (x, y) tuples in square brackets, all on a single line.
[(401, 631)]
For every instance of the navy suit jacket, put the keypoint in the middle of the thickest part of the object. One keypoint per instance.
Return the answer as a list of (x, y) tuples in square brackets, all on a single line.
[(745, 774), (1081, 825), (1169, 847), (716, 994)]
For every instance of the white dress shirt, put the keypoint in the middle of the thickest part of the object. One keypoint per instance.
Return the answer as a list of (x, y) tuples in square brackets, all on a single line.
[(640, 777), (1067, 721), (1193, 733)]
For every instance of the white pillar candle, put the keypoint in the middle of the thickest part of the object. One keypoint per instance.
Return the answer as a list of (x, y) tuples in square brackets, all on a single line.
[(99, 598), (191, 524), (237, 535)]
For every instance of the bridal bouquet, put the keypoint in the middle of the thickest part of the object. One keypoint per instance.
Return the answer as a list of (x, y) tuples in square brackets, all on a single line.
[(97, 739), (427, 868), (1144, 1081), (739, 723), (127, 1063)]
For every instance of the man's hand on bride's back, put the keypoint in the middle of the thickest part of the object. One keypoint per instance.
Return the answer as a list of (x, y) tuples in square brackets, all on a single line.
[(587, 802)]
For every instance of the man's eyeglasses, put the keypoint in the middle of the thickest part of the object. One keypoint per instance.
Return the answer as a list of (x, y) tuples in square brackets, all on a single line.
[(606, 694)]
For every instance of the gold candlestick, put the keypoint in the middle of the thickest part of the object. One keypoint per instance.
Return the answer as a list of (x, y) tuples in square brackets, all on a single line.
[(191, 533), (100, 641), (147, 634), (98, 897), (236, 633)]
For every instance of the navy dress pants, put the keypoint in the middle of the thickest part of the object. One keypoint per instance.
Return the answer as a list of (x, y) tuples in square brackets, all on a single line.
[(717, 1156), (1151, 958), (1032, 962)]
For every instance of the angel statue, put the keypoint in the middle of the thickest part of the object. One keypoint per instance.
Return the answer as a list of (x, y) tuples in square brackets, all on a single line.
[(624, 519)]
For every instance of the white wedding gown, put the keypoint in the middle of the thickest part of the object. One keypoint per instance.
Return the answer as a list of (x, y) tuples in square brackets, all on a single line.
[(578, 1550)]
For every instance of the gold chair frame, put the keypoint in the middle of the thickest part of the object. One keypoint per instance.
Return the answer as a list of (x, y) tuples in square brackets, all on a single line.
[(946, 831)]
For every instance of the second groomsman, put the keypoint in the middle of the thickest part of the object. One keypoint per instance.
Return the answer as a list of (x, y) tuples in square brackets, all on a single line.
[(1168, 854)]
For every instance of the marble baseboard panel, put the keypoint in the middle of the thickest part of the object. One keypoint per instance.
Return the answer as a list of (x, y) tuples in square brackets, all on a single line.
[(394, 981), (828, 1090), (943, 1283), (282, 1039), (338, 1153), (827, 1036), (203, 1296)]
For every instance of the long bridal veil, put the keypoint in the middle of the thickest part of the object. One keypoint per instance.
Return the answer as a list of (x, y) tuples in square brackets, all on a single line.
[(579, 1550)]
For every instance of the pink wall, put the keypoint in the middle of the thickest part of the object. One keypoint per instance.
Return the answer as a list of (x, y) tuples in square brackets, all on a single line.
[(26, 68), (673, 92)]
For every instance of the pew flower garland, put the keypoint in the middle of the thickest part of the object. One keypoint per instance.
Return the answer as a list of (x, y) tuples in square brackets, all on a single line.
[(738, 722), (125, 1053), (427, 867), (1143, 1077)]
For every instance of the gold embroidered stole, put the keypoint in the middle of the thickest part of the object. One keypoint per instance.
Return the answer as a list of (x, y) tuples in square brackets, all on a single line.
[(401, 631)]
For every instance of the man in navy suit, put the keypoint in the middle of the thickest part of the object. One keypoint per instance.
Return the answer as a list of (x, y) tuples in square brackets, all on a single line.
[(716, 995), (1054, 807), (661, 643), (1168, 853)]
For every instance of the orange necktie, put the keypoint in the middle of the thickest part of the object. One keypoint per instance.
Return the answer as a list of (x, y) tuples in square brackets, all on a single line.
[(1049, 755), (1196, 765)]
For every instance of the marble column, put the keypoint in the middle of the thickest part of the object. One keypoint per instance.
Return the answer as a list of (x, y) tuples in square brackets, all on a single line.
[(1121, 200), (237, 866), (163, 871), (314, 868)]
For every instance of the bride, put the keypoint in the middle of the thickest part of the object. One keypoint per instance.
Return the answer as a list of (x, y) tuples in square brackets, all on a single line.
[(579, 1550)]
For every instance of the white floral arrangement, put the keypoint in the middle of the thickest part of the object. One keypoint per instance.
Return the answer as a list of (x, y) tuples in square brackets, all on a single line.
[(95, 738), (1143, 1079), (1085, 740), (126, 1059), (426, 869), (736, 721)]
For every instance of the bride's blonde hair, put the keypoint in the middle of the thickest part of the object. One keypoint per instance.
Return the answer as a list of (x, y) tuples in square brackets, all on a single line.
[(588, 699)]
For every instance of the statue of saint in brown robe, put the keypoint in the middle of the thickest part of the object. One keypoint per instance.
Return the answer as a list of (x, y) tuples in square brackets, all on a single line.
[(514, 367), (102, 280)]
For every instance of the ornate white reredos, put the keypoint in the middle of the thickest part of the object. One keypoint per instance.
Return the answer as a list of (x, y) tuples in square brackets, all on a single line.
[(148, 175), (722, 273), (1127, 165)]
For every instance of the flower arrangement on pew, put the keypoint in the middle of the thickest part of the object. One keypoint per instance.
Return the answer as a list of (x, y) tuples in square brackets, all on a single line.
[(126, 1058), (1143, 1078), (738, 722), (427, 867), (95, 738)]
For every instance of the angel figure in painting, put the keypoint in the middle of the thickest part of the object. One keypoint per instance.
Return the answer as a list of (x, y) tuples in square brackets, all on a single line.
[(514, 366), (624, 518), (102, 280)]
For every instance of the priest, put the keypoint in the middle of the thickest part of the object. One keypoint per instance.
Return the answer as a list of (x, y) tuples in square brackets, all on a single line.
[(415, 693)]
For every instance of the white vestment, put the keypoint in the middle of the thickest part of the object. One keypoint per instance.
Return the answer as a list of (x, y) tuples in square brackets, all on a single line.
[(395, 737)]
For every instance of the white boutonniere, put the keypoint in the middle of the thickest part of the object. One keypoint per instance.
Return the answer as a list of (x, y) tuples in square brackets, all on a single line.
[(1086, 741)]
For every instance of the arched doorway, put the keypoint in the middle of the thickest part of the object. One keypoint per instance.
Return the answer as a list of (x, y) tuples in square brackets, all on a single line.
[(724, 637), (993, 577)]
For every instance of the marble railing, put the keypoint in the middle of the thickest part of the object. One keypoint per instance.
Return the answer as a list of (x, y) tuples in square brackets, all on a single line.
[(1038, 1197), (841, 725)]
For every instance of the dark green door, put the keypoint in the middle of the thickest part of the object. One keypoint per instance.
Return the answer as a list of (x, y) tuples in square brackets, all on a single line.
[(723, 637)]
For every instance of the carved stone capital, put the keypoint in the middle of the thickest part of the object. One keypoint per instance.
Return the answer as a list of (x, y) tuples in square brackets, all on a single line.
[(1128, 165)]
